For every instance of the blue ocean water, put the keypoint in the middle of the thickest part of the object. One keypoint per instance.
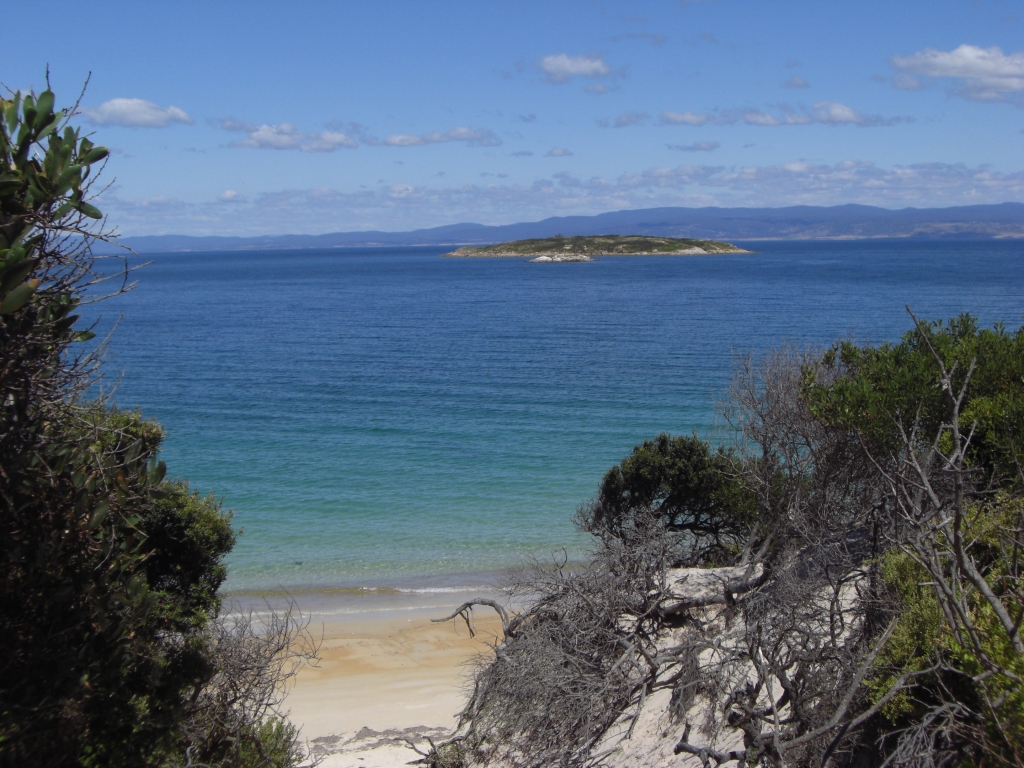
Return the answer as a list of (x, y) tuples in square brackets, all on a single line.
[(389, 418)]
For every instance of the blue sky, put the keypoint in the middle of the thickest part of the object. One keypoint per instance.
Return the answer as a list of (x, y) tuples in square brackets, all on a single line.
[(254, 118)]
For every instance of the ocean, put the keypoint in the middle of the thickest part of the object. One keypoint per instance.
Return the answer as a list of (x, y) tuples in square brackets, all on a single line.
[(388, 421)]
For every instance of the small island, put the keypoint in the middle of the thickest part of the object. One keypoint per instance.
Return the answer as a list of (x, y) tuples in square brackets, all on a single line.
[(585, 248)]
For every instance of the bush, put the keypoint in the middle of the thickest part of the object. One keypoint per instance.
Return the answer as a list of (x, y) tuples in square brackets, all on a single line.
[(694, 489), (871, 515), (109, 629)]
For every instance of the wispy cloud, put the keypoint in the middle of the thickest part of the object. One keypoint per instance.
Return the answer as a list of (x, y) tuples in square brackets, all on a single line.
[(647, 37), (699, 146), (286, 136), (797, 82), (982, 74), (558, 152), (481, 138), (406, 206), (823, 112), (630, 118), (561, 68), (684, 118), (135, 113), (598, 88)]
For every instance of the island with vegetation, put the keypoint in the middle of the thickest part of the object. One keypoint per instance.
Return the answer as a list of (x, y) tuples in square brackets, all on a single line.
[(584, 248)]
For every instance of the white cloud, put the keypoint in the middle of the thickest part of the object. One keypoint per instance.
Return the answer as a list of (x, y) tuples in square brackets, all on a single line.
[(756, 117), (797, 82), (406, 206), (984, 74), (483, 138), (699, 146), (230, 196), (684, 118), (135, 113), (630, 118), (328, 141), (558, 152), (561, 68), (283, 136), (824, 112), (404, 140), (286, 136), (836, 113)]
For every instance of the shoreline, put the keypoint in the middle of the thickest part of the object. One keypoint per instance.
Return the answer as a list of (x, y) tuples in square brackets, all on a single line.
[(332, 606), (387, 673)]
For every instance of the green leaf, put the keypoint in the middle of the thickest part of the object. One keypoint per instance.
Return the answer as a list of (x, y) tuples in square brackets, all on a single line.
[(17, 298), (90, 210), (17, 274), (94, 155), (11, 113), (157, 471), (45, 102), (66, 178), (28, 110)]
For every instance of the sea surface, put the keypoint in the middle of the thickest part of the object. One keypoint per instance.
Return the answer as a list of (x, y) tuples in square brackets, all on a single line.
[(385, 420)]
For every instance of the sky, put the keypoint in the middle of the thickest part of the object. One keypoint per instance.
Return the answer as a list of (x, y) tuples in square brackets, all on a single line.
[(251, 118)]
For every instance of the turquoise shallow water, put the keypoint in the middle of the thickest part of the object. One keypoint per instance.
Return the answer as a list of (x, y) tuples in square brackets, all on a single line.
[(387, 418)]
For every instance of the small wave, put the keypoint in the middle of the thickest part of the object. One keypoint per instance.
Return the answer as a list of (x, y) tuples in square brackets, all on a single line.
[(445, 590)]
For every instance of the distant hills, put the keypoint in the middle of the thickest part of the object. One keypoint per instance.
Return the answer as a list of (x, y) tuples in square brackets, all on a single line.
[(802, 222)]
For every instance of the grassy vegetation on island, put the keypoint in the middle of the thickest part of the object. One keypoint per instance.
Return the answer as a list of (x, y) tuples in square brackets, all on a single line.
[(584, 248)]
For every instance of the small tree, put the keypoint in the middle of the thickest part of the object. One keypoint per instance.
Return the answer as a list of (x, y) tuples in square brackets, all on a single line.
[(109, 573), (695, 490)]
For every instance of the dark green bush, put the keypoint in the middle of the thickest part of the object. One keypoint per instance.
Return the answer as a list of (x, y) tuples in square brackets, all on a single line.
[(694, 489)]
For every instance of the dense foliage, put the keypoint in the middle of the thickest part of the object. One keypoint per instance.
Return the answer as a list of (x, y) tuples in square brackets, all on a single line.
[(109, 573), (694, 489), (886, 390), (958, 581)]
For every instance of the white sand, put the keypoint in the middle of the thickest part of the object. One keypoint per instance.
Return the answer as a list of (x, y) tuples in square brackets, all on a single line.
[(381, 680)]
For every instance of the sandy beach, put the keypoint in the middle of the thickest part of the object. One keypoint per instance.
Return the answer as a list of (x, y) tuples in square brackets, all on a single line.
[(384, 677)]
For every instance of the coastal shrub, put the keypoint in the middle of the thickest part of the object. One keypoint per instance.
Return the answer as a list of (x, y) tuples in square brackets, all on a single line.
[(109, 572), (271, 744), (942, 414), (695, 489), (862, 608), (879, 392)]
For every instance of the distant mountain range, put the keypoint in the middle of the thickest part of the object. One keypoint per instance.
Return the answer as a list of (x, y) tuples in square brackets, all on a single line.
[(802, 222)]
